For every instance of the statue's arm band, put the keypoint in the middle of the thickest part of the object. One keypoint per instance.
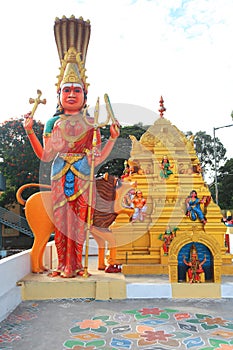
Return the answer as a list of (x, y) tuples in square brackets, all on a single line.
[(30, 131)]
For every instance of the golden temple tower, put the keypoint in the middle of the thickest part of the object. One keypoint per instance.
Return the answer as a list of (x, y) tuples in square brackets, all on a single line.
[(139, 247)]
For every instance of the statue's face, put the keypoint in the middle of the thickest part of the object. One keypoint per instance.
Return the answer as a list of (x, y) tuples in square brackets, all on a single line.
[(72, 97), (193, 194)]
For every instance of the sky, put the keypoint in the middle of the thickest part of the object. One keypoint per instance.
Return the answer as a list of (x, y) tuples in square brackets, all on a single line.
[(139, 50)]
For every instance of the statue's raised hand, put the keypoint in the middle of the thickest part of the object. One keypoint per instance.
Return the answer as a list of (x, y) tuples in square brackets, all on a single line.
[(115, 130), (28, 122), (57, 140)]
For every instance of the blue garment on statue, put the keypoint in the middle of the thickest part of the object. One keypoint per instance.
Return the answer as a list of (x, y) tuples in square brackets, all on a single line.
[(80, 165), (195, 209), (69, 184)]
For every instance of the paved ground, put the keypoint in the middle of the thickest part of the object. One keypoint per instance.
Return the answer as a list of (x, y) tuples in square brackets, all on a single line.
[(146, 324)]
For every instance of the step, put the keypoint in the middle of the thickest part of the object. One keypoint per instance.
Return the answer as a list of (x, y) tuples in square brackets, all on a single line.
[(144, 269), (99, 286)]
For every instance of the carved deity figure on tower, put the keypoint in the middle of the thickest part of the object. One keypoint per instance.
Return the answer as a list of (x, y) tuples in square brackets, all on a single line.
[(194, 210), (167, 238), (139, 204), (165, 168), (195, 265)]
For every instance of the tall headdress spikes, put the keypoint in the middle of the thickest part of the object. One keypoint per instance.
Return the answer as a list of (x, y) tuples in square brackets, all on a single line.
[(72, 38), (193, 251)]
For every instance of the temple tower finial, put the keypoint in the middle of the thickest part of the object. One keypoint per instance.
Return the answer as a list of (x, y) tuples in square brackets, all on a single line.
[(162, 109)]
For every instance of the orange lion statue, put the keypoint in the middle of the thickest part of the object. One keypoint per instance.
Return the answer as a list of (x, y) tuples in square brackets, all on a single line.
[(39, 214)]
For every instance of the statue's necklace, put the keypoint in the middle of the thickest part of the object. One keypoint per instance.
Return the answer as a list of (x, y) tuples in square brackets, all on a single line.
[(72, 120)]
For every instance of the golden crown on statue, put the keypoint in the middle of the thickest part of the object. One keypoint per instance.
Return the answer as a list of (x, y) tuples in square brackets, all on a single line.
[(72, 38)]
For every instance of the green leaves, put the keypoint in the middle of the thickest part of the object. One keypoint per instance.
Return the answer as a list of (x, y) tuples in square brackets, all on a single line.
[(19, 163)]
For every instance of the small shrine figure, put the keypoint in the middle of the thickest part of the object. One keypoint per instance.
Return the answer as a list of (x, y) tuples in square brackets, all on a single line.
[(126, 171), (197, 168), (167, 237), (130, 168), (140, 207), (228, 220), (127, 201), (193, 207), (165, 168), (195, 265)]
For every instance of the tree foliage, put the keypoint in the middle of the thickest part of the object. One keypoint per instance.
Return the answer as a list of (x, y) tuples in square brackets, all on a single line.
[(225, 185), (19, 164), (204, 146), (114, 164)]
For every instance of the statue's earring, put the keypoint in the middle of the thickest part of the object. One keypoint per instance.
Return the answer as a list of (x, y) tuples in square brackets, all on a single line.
[(59, 106)]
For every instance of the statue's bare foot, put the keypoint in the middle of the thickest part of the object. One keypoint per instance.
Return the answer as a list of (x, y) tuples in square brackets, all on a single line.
[(82, 272), (113, 269), (54, 274)]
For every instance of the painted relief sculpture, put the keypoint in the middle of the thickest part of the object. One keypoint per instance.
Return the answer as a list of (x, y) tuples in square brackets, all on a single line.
[(131, 168), (195, 266), (139, 204), (167, 238), (194, 210), (72, 140), (127, 200), (165, 168), (228, 220)]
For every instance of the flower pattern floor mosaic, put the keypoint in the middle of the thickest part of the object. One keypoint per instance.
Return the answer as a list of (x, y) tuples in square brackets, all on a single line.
[(152, 324)]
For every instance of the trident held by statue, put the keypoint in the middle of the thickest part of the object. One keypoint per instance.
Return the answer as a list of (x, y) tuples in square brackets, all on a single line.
[(36, 102), (110, 110), (95, 126)]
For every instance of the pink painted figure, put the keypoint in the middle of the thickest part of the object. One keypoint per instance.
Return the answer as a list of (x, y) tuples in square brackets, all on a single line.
[(140, 207), (167, 238)]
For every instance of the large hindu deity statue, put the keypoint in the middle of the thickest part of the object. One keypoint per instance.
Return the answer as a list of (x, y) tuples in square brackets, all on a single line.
[(72, 141)]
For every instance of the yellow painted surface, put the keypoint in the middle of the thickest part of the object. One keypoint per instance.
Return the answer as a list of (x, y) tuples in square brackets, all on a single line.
[(139, 243), (196, 290), (227, 270), (99, 285), (144, 269)]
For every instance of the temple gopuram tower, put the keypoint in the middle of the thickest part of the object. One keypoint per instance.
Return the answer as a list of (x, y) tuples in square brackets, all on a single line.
[(139, 243)]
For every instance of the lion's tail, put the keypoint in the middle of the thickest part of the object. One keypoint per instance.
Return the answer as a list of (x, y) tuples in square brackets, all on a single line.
[(19, 197)]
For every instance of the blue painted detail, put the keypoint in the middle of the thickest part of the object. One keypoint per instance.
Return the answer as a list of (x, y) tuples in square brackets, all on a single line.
[(193, 342), (121, 343), (152, 322), (69, 183), (202, 251), (57, 166), (82, 166)]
